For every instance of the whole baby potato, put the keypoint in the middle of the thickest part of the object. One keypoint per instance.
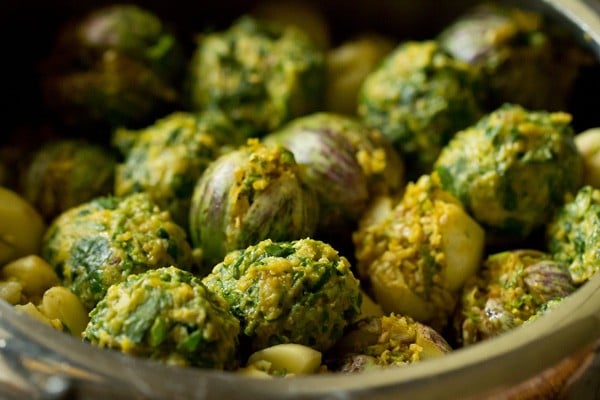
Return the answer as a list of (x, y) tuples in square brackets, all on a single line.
[(22, 227)]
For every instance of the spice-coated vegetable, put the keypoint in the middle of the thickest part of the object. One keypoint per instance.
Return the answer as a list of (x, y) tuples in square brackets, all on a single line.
[(260, 73), (417, 254), (511, 288), (344, 162), (392, 340), (260, 220), (166, 314), (419, 97), (166, 159), (300, 292), (116, 65), (573, 234), (66, 173), (512, 169), (103, 241), (522, 60), (248, 195)]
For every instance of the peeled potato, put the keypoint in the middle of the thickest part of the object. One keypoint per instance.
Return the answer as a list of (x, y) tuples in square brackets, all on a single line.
[(31, 310), (393, 294), (463, 242), (347, 67), (21, 229), (369, 308), (255, 372), (588, 144), (10, 291), (33, 273), (60, 303), (290, 357)]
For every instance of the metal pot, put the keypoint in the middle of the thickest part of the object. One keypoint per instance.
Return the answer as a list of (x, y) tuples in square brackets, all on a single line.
[(556, 355)]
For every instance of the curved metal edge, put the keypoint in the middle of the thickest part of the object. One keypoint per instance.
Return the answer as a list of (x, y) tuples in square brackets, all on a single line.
[(567, 329), (584, 16)]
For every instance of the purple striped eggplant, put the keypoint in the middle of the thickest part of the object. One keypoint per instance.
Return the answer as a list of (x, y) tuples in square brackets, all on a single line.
[(523, 60), (345, 162), (512, 288), (248, 195)]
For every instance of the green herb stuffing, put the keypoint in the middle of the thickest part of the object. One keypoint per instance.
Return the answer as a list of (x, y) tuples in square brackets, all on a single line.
[(288, 292), (101, 242), (166, 314)]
